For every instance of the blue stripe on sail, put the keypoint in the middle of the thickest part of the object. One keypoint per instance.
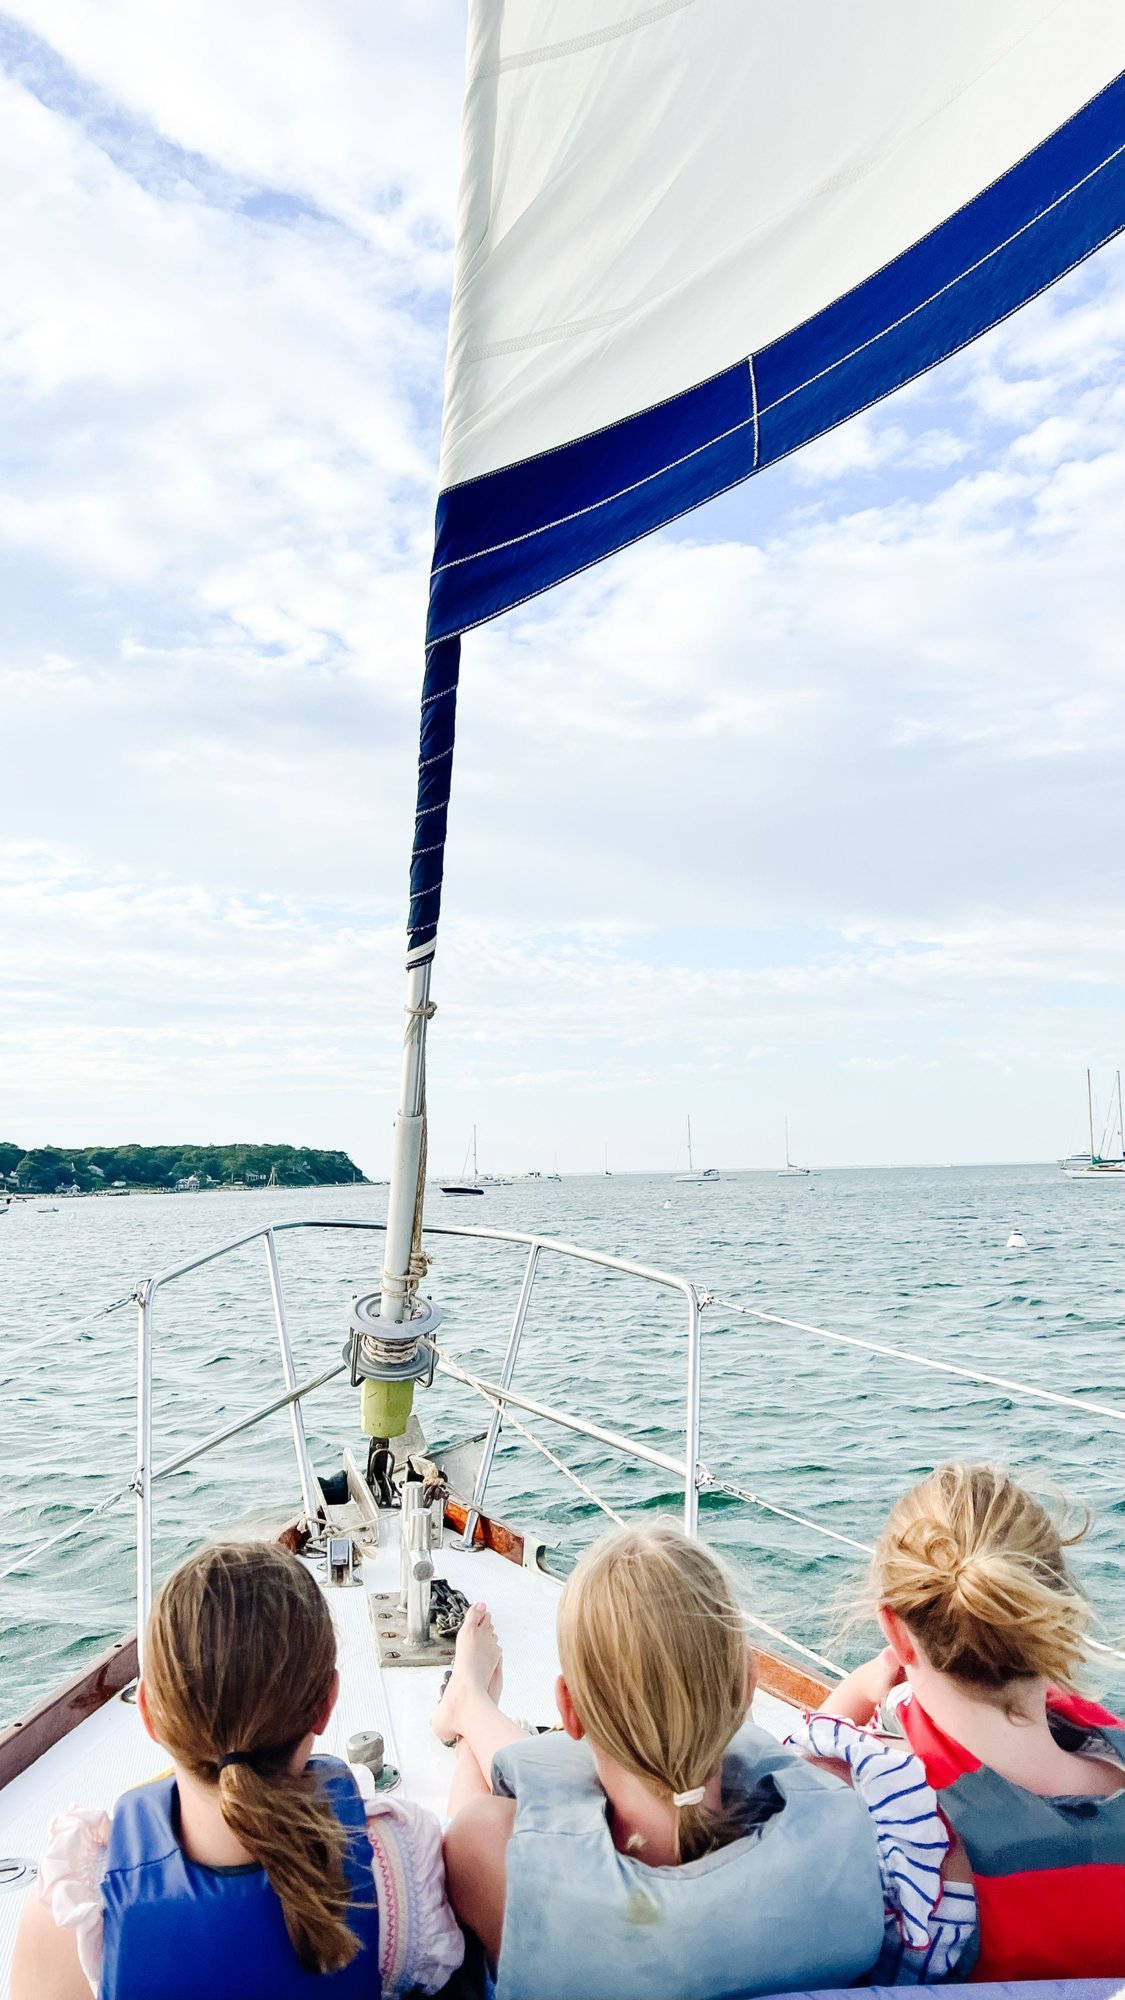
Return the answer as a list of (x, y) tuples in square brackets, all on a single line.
[(511, 534), (516, 532)]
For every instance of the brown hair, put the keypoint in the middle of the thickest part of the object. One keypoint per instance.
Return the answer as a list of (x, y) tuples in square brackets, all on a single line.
[(653, 1651), (239, 1657), (975, 1568)]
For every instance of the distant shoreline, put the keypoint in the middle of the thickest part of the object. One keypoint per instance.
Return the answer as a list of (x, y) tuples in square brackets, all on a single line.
[(66, 1173), (216, 1187)]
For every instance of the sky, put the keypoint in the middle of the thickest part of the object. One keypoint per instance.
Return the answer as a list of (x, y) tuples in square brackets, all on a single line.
[(810, 807)]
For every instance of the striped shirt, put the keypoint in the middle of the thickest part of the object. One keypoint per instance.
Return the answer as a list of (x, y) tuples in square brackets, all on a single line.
[(928, 1923)]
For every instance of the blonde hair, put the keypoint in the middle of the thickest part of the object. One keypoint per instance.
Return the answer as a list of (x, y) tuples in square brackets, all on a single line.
[(240, 1657), (975, 1568), (654, 1655)]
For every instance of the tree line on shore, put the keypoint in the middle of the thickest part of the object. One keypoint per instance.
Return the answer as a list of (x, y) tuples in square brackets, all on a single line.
[(94, 1169)]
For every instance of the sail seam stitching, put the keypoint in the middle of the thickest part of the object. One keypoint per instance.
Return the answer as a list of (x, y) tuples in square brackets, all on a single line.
[(550, 51), (518, 343)]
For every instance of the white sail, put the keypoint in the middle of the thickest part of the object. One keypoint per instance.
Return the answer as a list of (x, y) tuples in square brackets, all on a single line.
[(652, 193)]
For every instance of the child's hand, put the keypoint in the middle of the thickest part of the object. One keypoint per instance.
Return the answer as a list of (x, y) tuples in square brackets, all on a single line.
[(878, 1676), (858, 1696)]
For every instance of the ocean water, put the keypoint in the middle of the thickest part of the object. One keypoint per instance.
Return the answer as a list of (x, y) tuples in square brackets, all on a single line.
[(914, 1258)]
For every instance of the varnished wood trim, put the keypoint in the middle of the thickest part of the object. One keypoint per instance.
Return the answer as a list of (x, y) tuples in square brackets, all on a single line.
[(57, 1714), (488, 1534), (789, 1683)]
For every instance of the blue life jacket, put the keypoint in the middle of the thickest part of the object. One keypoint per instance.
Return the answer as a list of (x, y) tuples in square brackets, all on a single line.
[(175, 1930), (797, 1901)]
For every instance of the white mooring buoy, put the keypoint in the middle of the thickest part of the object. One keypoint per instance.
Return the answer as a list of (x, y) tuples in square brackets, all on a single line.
[(1016, 1241)]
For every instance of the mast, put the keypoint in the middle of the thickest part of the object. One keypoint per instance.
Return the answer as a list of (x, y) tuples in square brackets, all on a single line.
[(476, 1169), (787, 1142), (406, 1154), (1090, 1109), (1120, 1126), (690, 1168)]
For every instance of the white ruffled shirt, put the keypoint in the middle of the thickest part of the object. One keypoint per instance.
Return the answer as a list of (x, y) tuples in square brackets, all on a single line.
[(420, 1940), (927, 1922)]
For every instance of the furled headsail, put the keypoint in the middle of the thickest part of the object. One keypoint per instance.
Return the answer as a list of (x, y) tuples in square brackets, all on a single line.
[(694, 235)]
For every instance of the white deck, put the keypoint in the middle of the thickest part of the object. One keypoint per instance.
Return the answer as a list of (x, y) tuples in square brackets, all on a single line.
[(110, 1751)]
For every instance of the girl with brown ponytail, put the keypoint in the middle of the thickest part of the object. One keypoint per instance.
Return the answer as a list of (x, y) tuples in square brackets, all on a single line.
[(986, 1636), (255, 1871)]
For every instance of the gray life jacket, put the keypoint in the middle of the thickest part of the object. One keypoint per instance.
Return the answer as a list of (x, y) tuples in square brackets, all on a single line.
[(796, 1901)]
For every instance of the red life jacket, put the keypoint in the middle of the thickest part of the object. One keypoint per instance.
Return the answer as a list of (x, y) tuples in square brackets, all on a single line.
[(1049, 1874)]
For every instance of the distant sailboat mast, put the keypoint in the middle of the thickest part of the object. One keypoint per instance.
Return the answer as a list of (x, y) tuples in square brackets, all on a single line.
[(463, 1186), (789, 1170), (1100, 1163), (693, 1176)]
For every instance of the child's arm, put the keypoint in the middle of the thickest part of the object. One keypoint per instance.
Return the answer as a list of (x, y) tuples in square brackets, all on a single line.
[(859, 1694), (45, 1963)]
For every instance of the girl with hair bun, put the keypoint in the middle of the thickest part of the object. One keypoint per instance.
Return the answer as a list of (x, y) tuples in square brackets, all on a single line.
[(254, 1871), (659, 1846), (1008, 1797)]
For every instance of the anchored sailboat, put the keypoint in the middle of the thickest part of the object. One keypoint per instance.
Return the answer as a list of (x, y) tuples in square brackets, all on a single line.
[(691, 1177), (465, 1186), (801, 1173), (1103, 1164)]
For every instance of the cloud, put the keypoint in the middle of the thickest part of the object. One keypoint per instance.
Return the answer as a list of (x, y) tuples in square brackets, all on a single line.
[(354, 111), (821, 786)]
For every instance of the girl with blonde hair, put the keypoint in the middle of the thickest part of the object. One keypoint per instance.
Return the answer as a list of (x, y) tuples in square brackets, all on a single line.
[(1009, 1792), (659, 1846), (255, 1871)]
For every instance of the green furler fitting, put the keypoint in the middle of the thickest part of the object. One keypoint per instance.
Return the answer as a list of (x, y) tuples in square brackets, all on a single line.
[(385, 1407)]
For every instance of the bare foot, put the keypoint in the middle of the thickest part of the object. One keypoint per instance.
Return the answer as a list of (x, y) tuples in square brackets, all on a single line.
[(477, 1666)]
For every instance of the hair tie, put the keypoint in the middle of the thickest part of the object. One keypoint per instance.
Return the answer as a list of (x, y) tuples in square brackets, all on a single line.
[(266, 1750), (694, 1797)]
